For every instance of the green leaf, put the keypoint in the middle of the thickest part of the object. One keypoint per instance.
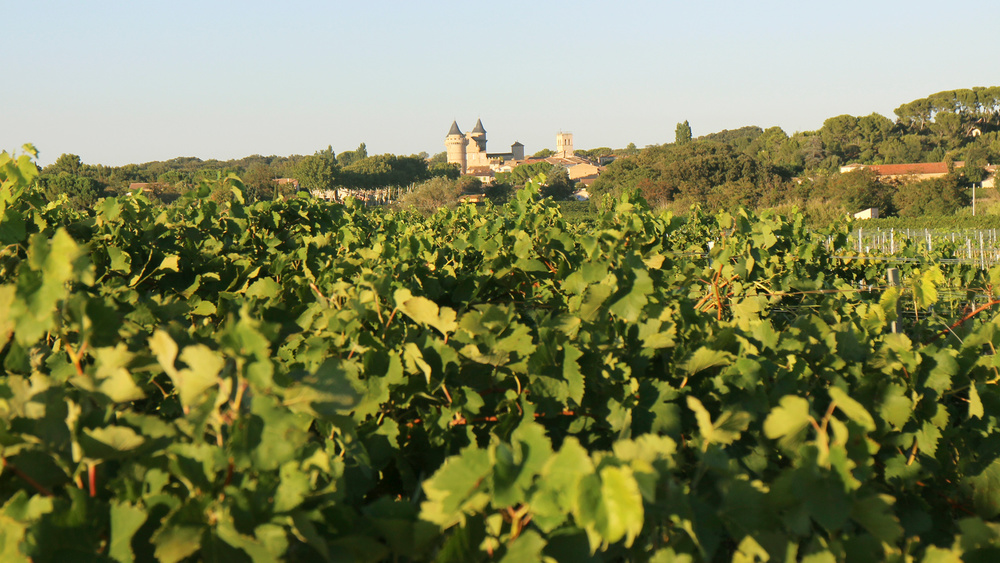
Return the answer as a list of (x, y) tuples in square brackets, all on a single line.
[(629, 307), (789, 421), (110, 442), (426, 312), (610, 506), (572, 374), (126, 519), (888, 303), (558, 484), (53, 264), (985, 488), (940, 376), (169, 264), (924, 286), (264, 288), (516, 466), (526, 548), (176, 542), (975, 403), (896, 407), (725, 430), (705, 358), (327, 392), (120, 260), (293, 488), (852, 409), (456, 488), (875, 515), (12, 227), (190, 382)]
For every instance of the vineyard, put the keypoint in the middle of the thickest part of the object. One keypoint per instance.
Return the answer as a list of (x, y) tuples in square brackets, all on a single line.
[(300, 381), (972, 246)]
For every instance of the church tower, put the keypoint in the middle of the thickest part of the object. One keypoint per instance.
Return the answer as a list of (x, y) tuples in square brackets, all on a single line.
[(455, 143), (564, 144)]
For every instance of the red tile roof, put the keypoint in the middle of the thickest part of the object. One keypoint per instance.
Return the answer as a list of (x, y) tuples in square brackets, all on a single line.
[(913, 168)]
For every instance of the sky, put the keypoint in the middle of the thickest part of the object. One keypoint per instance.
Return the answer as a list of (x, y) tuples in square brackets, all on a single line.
[(119, 82)]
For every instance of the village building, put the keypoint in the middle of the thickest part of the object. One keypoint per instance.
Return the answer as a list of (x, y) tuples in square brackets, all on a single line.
[(917, 171), (468, 152)]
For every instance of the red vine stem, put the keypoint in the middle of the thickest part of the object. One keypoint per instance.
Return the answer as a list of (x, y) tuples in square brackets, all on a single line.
[(965, 318), (92, 478), (27, 479)]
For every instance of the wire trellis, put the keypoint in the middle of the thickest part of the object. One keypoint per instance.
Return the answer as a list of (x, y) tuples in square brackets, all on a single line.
[(980, 247)]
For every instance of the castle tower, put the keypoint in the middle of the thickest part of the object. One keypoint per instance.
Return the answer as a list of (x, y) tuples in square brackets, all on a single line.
[(564, 144), (478, 135), (517, 149), (455, 143)]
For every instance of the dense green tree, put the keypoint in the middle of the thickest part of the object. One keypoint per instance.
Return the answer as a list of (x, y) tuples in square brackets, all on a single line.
[(855, 139), (901, 150), (557, 185), (82, 192), (974, 170), (544, 153), (175, 178), (521, 174), (855, 191), (682, 134), (937, 196), (469, 185), (774, 147), (427, 197), (259, 182), (625, 175), (593, 154), (445, 169), (814, 155), (120, 177), (976, 108), (740, 139), (348, 158), (384, 170), (499, 192), (699, 172), (316, 172), (66, 163)]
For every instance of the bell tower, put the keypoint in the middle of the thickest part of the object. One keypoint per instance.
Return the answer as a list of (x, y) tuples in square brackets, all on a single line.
[(564, 144)]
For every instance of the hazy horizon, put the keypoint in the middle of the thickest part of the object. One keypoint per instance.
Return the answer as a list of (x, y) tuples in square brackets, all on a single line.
[(132, 83)]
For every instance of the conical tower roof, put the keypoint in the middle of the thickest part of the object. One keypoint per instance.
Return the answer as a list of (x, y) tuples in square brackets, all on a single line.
[(479, 127), (454, 129)]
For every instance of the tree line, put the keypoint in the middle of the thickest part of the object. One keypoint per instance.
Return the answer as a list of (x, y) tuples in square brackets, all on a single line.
[(756, 167), (323, 170), (747, 166)]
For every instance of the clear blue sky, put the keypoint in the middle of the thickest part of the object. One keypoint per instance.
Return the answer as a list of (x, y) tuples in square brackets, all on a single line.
[(135, 81)]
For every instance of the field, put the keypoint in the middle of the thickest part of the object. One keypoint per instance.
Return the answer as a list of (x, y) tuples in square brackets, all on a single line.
[(300, 381)]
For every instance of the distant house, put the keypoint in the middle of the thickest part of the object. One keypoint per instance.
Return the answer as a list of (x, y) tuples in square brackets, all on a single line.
[(576, 167), (148, 187), (287, 181), (870, 213), (991, 178), (912, 172), (485, 174), (917, 171), (471, 198)]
